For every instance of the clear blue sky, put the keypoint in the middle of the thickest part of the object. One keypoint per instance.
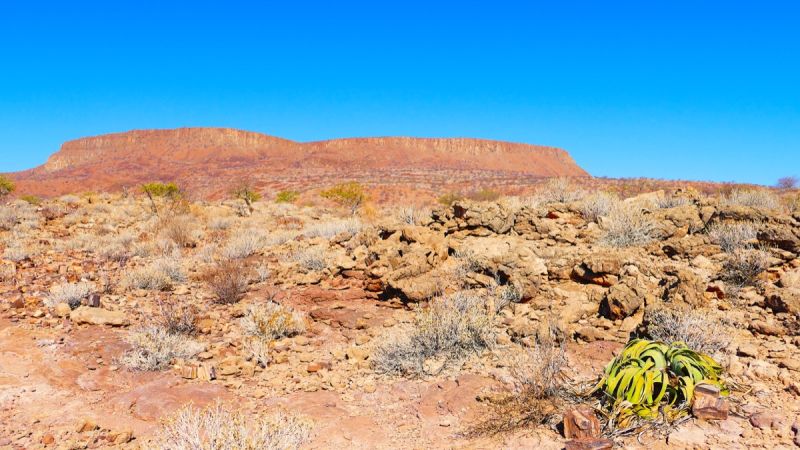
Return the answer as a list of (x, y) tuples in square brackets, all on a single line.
[(669, 89)]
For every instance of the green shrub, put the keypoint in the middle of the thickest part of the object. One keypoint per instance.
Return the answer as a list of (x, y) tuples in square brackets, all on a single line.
[(6, 186), (287, 196), (32, 199), (351, 195), (449, 198), (246, 192), (165, 191)]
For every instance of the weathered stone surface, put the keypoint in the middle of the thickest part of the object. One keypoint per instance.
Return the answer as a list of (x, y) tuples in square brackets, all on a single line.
[(581, 422), (589, 444), (709, 404), (625, 298), (98, 316)]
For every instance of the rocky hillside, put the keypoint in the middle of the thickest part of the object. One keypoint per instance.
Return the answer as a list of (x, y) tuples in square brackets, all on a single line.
[(202, 159), (409, 329)]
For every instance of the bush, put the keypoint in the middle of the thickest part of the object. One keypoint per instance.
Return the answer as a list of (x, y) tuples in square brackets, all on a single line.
[(411, 215), (788, 182), (219, 428), (179, 229), (6, 186), (626, 226), (597, 205), (484, 195), (154, 347), (349, 195), (8, 218), (732, 236), (155, 192), (17, 253), (272, 321), (246, 192), (743, 266), (160, 275), (245, 243), (449, 330), (449, 198), (331, 228), (177, 316), (227, 281), (31, 199), (313, 258), (696, 328), (560, 190), (286, 196), (671, 201), (756, 198), (69, 293)]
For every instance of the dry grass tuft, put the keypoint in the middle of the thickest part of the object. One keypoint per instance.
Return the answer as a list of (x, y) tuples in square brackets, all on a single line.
[(312, 258), (272, 321), (732, 236), (447, 331), (331, 228), (755, 198), (597, 205), (626, 226), (560, 190), (179, 229), (219, 428), (227, 280), (159, 276), (154, 347), (743, 266), (696, 328), (69, 293), (177, 316), (246, 243)]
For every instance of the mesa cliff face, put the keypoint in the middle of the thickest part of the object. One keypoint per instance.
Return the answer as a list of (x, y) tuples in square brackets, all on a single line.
[(203, 160)]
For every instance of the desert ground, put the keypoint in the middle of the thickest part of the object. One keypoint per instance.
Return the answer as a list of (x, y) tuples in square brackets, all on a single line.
[(160, 323)]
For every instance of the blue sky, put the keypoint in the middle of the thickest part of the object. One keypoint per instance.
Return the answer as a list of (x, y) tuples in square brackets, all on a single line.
[(668, 89)]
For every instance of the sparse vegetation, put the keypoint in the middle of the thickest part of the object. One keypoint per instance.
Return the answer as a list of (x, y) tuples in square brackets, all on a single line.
[(331, 228), (755, 198), (245, 243), (32, 199), (313, 258), (288, 196), (159, 192), (447, 199), (484, 195), (69, 293), (597, 205), (154, 347), (177, 316), (732, 236), (219, 428), (350, 195), (743, 266), (560, 190), (160, 275), (698, 329), (6, 186), (227, 281), (790, 182), (448, 330), (271, 320), (179, 229), (626, 226), (246, 192)]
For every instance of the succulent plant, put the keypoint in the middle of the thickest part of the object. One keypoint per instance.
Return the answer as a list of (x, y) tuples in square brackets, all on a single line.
[(651, 376)]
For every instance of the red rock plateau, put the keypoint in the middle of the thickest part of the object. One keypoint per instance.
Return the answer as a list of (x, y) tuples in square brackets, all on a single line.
[(201, 159)]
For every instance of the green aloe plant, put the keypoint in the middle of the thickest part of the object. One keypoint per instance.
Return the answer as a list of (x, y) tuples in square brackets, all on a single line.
[(651, 376)]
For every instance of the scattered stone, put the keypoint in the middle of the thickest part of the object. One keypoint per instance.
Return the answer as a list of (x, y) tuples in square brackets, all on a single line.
[(709, 404), (766, 420), (98, 316), (581, 422), (86, 425)]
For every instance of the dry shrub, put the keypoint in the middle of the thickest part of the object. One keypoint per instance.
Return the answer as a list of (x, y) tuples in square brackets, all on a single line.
[(245, 243), (177, 316), (627, 225), (69, 293), (560, 190), (450, 329), (732, 236), (8, 218), (313, 258), (179, 229), (220, 223), (257, 350), (159, 275), (17, 252), (227, 280), (412, 215), (743, 266), (671, 201), (597, 205), (154, 347), (484, 195), (271, 320), (219, 428), (696, 328), (331, 228), (540, 387), (755, 198)]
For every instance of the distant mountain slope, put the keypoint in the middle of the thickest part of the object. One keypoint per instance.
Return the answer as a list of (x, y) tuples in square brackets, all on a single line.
[(205, 160)]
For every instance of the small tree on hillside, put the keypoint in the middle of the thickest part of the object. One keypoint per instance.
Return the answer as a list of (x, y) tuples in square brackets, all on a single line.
[(788, 182), (245, 191), (166, 191), (6, 186), (350, 195)]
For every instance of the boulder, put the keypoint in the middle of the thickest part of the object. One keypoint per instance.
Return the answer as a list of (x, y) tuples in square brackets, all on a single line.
[(623, 299), (99, 316), (709, 404)]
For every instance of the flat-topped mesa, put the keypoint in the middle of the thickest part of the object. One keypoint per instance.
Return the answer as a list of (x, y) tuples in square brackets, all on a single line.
[(181, 144), (206, 160)]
